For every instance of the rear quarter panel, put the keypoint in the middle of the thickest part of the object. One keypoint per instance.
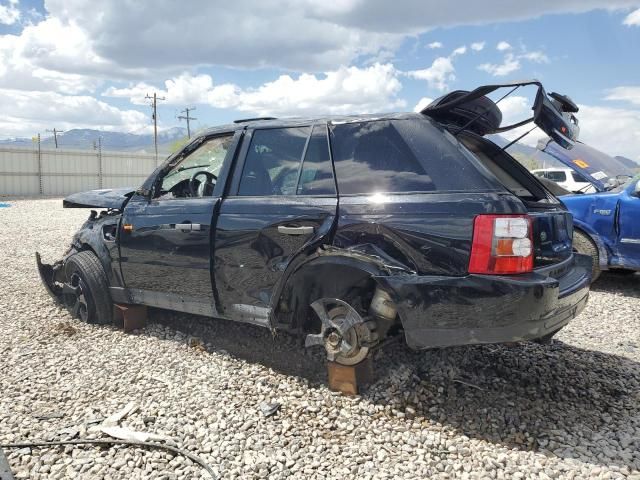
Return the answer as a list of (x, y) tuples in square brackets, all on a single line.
[(424, 233)]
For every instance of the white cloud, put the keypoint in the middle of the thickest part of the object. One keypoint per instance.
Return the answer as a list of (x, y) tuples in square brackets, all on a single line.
[(33, 112), (9, 14), (433, 45), (346, 90), (633, 18), (422, 103), (260, 32), (536, 57), (478, 46), (615, 131), (625, 94), (438, 75), (182, 90), (459, 51), (511, 64), (502, 46)]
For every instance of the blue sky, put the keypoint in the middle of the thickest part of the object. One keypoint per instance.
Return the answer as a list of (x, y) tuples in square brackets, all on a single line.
[(73, 64)]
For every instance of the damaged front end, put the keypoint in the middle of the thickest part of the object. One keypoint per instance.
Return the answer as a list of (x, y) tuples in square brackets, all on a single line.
[(52, 277), (97, 235)]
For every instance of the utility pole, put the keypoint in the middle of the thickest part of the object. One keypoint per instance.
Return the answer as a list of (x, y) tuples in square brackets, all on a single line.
[(187, 118), (55, 135), (154, 106)]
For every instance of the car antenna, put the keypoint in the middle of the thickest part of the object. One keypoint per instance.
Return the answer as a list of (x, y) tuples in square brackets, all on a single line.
[(482, 114)]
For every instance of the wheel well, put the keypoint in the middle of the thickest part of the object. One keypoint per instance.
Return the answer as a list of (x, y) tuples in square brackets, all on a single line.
[(328, 280)]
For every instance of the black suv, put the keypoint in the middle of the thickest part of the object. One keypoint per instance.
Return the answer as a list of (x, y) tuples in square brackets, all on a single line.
[(342, 229)]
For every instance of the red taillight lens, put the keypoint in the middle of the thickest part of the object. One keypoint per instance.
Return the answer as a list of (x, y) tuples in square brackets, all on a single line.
[(502, 244)]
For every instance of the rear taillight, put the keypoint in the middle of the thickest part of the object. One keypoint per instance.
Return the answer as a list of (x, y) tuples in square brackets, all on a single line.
[(502, 244)]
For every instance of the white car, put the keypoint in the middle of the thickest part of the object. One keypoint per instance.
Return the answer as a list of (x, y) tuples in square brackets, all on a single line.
[(566, 178)]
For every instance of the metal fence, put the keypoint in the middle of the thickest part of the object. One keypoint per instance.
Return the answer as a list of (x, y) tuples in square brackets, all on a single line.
[(37, 171)]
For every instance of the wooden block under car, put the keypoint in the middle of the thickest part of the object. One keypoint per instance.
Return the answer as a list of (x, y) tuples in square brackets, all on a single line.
[(130, 317), (349, 379)]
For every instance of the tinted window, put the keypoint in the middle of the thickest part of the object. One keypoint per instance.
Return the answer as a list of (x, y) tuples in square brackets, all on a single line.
[(273, 161), (317, 175), (557, 176), (402, 156)]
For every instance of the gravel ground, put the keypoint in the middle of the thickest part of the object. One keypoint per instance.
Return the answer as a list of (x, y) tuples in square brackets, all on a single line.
[(566, 410)]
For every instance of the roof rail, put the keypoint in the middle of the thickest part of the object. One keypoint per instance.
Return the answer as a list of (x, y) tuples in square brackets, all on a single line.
[(245, 120)]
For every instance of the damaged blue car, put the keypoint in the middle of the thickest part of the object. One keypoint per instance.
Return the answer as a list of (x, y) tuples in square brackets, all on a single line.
[(607, 227)]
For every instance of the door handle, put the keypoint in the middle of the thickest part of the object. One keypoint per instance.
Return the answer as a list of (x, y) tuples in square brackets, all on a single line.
[(187, 226), (295, 230)]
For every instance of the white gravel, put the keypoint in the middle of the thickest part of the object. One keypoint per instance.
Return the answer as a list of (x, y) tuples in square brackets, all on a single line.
[(566, 410)]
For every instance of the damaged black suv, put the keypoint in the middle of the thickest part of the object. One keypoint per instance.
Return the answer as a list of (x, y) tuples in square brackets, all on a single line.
[(342, 229)]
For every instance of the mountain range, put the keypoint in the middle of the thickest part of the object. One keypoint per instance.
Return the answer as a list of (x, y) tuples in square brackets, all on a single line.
[(87, 139)]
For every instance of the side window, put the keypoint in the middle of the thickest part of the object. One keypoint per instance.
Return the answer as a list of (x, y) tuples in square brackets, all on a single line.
[(196, 174), (273, 162), (401, 156), (557, 176), (317, 175), (578, 178)]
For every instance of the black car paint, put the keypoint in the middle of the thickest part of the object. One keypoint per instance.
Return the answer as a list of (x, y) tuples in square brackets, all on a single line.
[(416, 246)]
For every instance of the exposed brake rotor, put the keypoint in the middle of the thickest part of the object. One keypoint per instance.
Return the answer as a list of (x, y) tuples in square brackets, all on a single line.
[(345, 335)]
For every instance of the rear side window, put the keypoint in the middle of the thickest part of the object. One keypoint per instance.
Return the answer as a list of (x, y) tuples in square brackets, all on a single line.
[(273, 162), (316, 177), (408, 155)]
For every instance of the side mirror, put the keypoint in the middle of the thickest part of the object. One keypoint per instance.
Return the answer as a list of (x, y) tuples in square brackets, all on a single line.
[(636, 189)]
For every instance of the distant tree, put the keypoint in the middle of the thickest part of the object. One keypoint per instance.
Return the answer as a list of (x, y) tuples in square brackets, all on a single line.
[(526, 161), (178, 144)]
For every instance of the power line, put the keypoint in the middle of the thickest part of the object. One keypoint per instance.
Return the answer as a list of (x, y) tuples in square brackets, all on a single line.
[(154, 106), (55, 135), (187, 118)]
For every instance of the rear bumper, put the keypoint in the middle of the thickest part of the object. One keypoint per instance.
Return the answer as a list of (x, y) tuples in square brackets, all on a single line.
[(446, 311)]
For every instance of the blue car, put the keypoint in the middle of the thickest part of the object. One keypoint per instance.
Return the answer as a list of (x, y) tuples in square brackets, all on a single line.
[(607, 227)]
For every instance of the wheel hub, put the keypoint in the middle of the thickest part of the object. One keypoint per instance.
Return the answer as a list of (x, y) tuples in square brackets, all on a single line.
[(343, 332)]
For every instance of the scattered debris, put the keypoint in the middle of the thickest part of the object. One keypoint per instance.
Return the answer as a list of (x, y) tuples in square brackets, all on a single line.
[(65, 328), (69, 432), (49, 416), (117, 417), (269, 409), (5, 470), (197, 344), (161, 446), (122, 433), (468, 384)]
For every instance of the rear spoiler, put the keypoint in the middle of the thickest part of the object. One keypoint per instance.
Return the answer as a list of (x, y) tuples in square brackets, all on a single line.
[(553, 113)]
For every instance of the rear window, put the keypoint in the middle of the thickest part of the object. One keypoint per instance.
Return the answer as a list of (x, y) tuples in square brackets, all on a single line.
[(408, 155)]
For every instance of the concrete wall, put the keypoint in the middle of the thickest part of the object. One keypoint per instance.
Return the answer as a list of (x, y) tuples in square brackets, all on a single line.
[(29, 171)]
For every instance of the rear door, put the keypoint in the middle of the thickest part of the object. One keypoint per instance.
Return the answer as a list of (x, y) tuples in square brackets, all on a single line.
[(281, 203)]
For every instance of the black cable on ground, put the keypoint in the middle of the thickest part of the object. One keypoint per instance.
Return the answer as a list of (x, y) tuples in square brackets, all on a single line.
[(161, 446)]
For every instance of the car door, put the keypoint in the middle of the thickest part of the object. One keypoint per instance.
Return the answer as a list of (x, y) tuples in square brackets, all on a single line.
[(166, 240), (282, 204), (629, 226)]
